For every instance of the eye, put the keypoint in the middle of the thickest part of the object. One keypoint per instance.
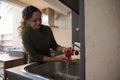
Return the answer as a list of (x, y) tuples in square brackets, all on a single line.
[(35, 20)]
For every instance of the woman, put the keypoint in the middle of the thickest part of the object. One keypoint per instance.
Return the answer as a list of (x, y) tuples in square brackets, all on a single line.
[(38, 39)]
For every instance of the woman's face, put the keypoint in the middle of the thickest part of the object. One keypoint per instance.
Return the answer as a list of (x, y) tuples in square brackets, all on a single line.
[(35, 20)]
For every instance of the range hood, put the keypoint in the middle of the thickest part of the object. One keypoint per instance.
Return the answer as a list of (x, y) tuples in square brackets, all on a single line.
[(50, 17)]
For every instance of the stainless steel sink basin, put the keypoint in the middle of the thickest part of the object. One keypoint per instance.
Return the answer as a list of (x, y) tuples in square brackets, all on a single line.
[(54, 71)]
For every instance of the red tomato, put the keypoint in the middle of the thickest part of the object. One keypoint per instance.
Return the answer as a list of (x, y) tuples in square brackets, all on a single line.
[(68, 54), (76, 52)]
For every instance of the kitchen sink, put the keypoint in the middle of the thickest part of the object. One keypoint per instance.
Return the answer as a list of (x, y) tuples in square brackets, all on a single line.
[(54, 70)]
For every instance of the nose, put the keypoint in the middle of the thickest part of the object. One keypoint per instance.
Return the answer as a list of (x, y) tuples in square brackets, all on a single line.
[(39, 21)]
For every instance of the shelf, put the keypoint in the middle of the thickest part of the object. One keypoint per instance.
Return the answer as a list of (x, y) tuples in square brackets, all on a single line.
[(6, 41), (6, 45)]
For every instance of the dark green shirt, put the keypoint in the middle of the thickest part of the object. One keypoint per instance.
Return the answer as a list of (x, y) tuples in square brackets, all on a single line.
[(38, 43)]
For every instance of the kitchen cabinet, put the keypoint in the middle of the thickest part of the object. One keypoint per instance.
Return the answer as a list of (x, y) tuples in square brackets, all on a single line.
[(75, 27), (9, 62), (72, 4), (77, 6)]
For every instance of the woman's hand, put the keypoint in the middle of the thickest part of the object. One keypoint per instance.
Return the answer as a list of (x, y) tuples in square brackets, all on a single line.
[(62, 59), (63, 49)]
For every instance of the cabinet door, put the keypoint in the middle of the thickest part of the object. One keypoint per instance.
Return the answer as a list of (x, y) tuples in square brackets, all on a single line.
[(75, 27)]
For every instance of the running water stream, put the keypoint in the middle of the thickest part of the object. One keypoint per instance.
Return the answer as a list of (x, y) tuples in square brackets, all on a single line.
[(67, 71)]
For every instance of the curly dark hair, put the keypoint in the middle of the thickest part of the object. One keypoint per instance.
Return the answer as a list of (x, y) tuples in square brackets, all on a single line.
[(26, 15)]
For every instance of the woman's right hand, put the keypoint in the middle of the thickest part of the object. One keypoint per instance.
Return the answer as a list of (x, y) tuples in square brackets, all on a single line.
[(62, 59)]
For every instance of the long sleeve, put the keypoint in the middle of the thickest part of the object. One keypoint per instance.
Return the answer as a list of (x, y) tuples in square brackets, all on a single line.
[(29, 47), (54, 44), (38, 43)]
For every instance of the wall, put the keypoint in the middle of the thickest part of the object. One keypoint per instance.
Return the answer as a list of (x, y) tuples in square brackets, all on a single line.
[(6, 14), (63, 34), (16, 22), (9, 22), (102, 39)]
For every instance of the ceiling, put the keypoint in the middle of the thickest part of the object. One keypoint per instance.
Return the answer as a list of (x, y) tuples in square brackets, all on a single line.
[(42, 4)]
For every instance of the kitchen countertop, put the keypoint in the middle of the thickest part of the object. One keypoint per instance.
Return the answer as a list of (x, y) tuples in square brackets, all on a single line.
[(9, 61), (6, 57)]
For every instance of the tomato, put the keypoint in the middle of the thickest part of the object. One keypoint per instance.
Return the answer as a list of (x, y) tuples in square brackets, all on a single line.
[(76, 52), (68, 54)]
